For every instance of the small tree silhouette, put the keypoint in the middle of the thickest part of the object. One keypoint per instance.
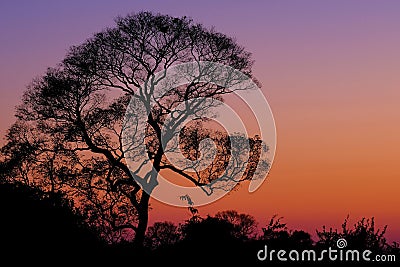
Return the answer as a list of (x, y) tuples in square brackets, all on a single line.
[(363, 235), (245, 226), (162, 234), (274, 228), (278, 235)]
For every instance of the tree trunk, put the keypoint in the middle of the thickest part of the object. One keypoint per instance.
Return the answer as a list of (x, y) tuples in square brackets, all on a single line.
[(143, 213), (143, 210)]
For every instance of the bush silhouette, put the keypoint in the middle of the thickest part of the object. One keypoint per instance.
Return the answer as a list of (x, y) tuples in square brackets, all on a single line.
[(37, 226)]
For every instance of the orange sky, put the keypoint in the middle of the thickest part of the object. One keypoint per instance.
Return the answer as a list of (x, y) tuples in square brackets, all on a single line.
[(335, 98)]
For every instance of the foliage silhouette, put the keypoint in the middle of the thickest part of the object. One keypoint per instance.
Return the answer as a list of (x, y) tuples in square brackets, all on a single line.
[(244, 225), (37, 227), (162, 234), (363, 235)]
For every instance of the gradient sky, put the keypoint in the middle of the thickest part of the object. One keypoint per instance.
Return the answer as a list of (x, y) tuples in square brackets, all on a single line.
[(329, 69)]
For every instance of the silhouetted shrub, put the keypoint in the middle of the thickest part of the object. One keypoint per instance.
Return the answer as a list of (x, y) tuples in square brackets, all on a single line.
[(36, 226)]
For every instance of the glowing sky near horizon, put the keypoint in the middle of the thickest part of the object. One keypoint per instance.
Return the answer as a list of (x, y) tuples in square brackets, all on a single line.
[(329, 69)]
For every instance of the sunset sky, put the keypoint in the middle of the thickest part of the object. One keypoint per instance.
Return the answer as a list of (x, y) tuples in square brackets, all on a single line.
[(329, 69)]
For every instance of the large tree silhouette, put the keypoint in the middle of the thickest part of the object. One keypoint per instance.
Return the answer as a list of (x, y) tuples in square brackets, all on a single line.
[(69, 132)]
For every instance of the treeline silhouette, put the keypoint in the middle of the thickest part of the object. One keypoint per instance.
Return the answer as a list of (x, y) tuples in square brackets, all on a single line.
[(38, 227)]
